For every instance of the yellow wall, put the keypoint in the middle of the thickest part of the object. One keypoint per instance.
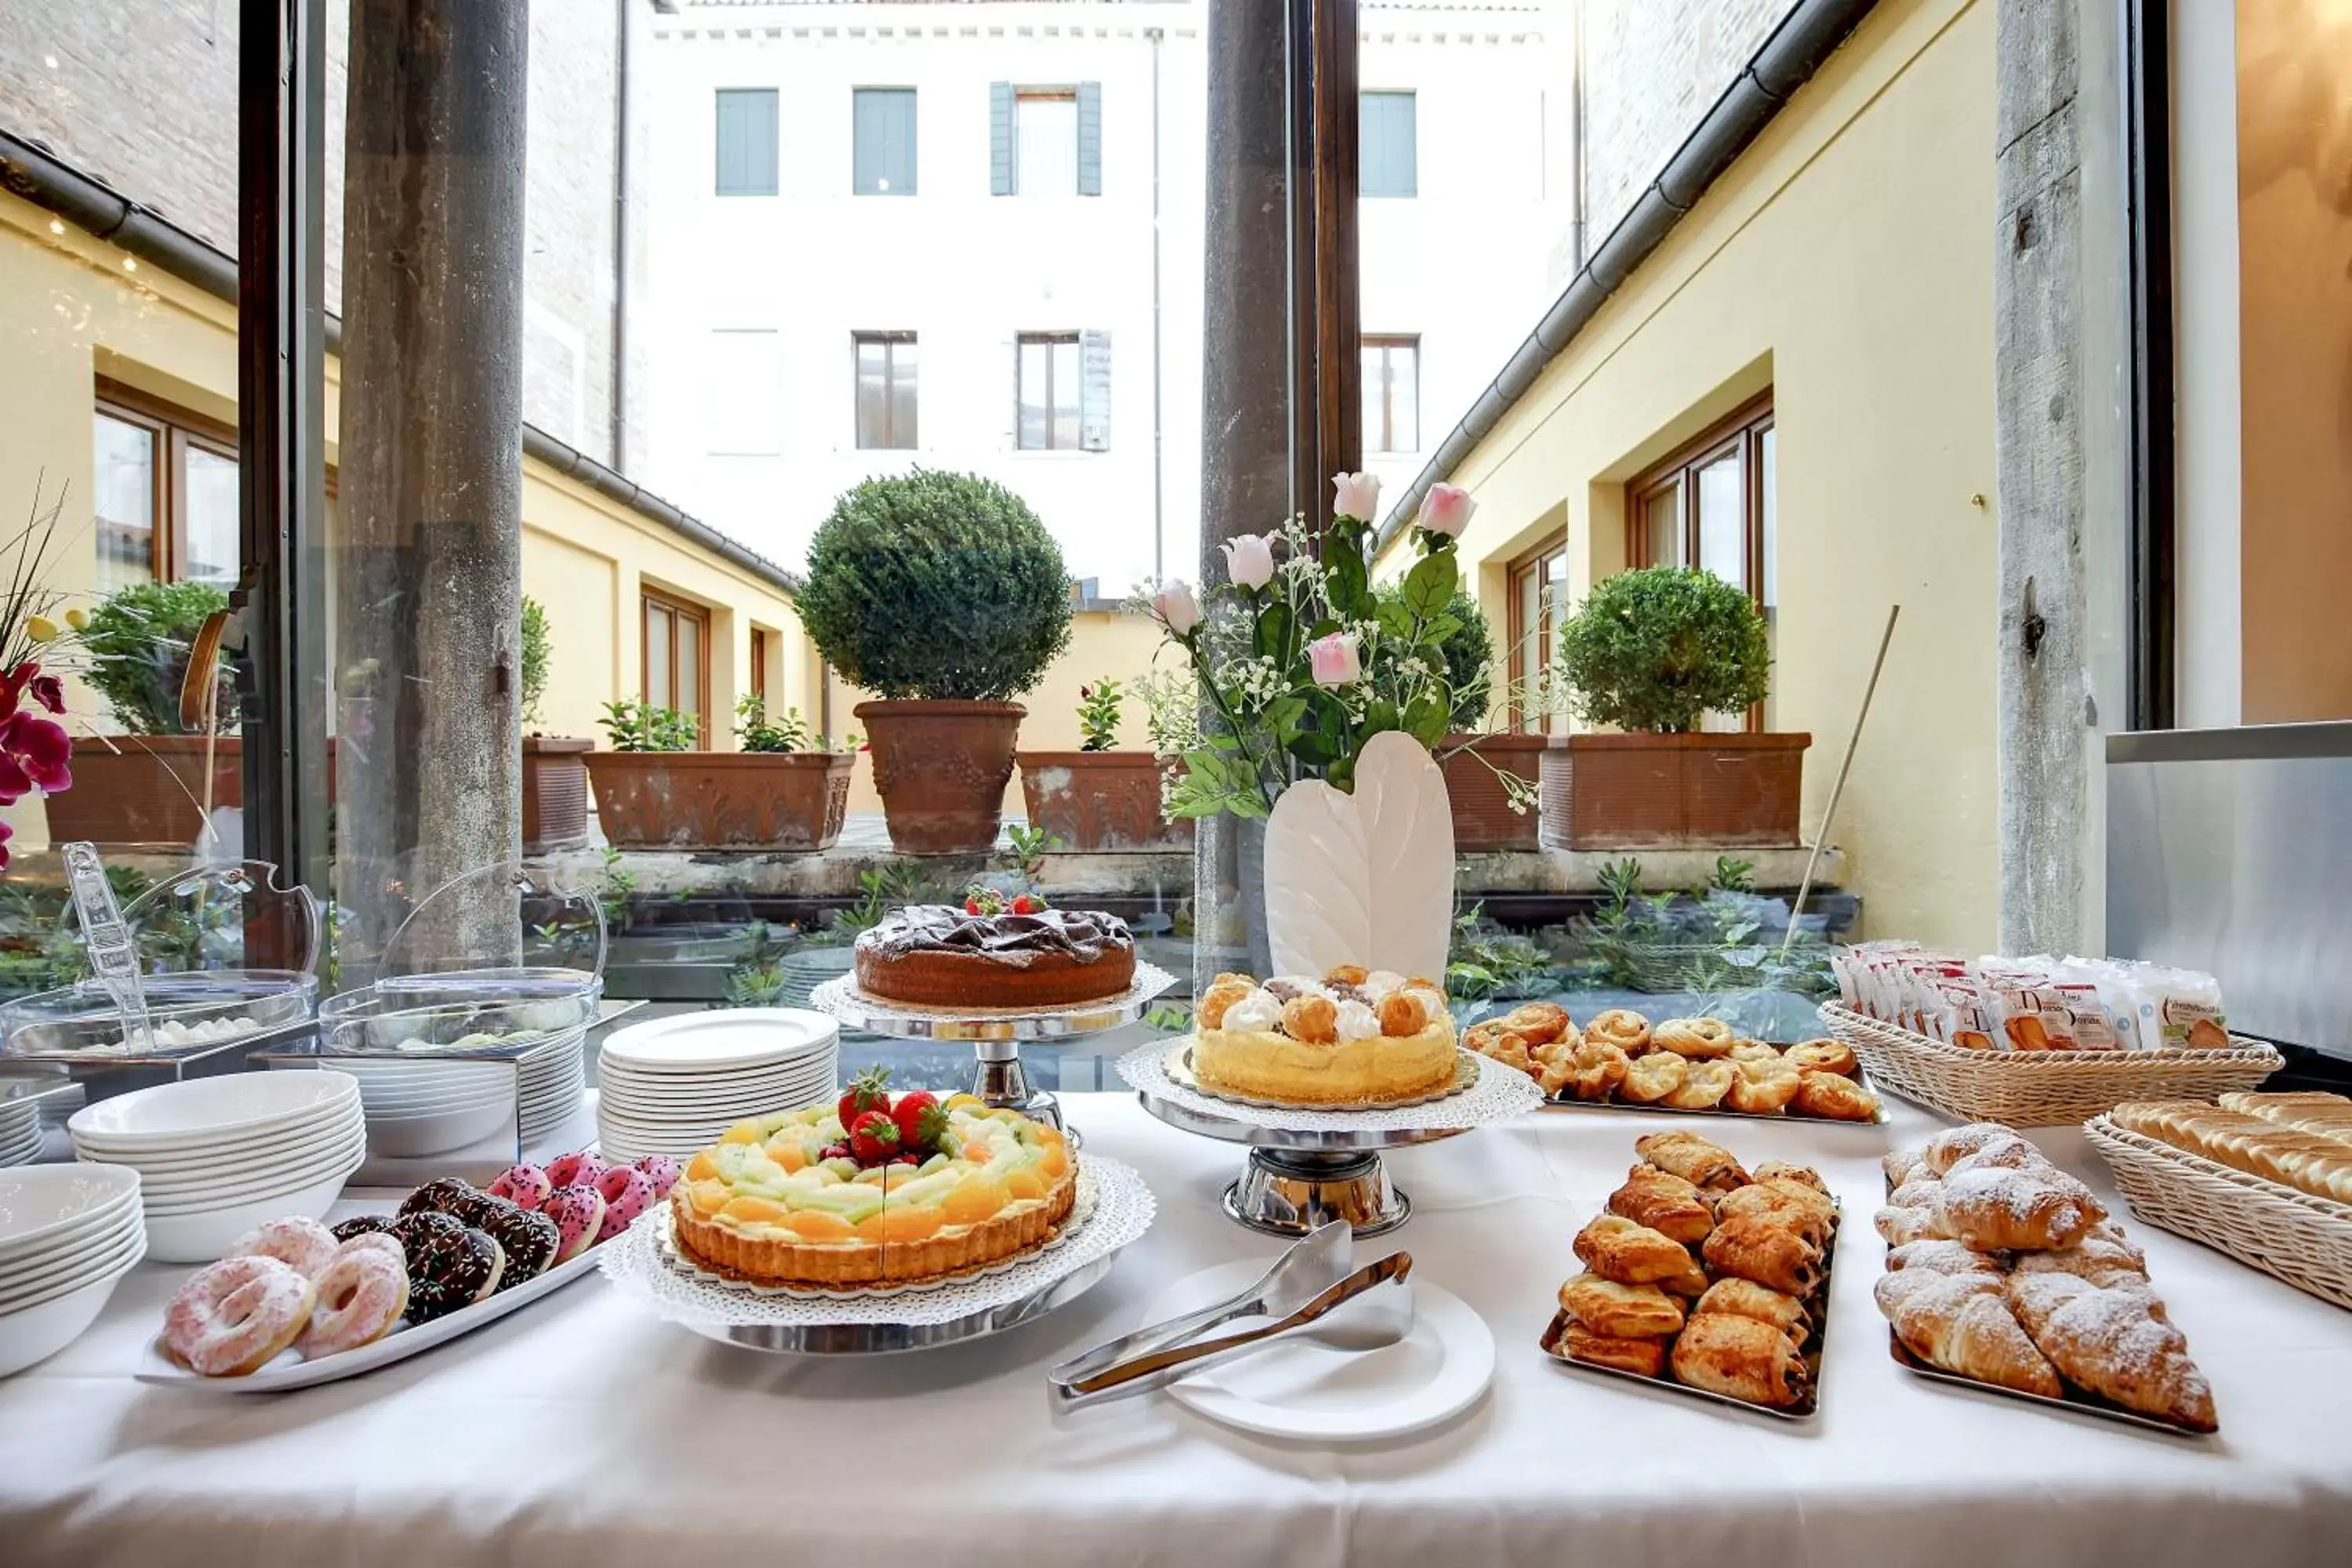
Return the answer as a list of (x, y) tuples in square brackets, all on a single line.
[(72, 308), (1845, 261)]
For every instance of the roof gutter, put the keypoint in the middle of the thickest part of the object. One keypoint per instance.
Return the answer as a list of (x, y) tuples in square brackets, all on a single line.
[(1806, 37), (29, 171)]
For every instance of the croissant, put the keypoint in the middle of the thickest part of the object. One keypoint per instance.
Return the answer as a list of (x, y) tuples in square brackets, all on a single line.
[(2096, 1260), (1753, 1247), (1944, 1256), (1621, 1311), (1747, 1299), (1725, 1353), (2018, 1211), (1961, 1323), (1836, 1099), (2013, 1153), (1666, 1203), (1918, 1193), (1652, 1077), (2113, 1343), (1692, 1158), (1901, 1166), (1769, 1205), (1647, 1357), (1901, 1227), (1616, 1248), (1946, 1148)]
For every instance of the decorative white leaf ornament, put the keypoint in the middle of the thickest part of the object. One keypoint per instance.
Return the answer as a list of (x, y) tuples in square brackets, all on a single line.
[(1364, 878)]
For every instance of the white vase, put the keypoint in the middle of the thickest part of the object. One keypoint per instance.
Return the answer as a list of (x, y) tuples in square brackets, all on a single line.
[(1367, 878)]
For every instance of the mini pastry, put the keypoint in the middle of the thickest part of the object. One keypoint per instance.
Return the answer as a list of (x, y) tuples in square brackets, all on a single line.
[(1747, 1050), (1803, 1175), (302, 1244), (1211, 1012), (1621, 1027), (1652, 1077), (1703, 1087), (1825, 1094), (1647, 1357), (1747, 1299), (1728, 1354), (1699, 1037), (1621, 1311), (1665, 1203), (1616, 1248), (1821, 1056), (578, 1217), (1347, 975), (1754, 1248), (525, 1186), (1540, 1023), (1595, 1069), (1813, 1219), (1692, 1158), (1315, 1019), (2007, 1210), (1762, 1085)]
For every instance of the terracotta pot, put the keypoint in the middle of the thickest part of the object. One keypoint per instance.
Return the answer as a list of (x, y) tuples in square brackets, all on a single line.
[(940, 769), (146, 795), (554, 793), (1099, 800), (720, 800), (1483, 817), (1649, 792)]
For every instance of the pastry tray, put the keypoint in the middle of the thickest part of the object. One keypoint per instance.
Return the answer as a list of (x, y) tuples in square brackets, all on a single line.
[(1815, 1354), (2078, 1401), (1176, 1061), (1570, 1102)]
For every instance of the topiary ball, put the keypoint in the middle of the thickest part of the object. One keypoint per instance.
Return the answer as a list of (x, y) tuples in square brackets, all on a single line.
[(1659, 648), (936, 586), (137, 645)]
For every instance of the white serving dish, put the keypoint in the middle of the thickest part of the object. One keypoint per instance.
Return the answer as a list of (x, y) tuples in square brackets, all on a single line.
[(198, 1151), (255, 1185), (693, 1043), (105, 1224), (207, 1111), (39, 1332), (418, 1137), (202, 1236), (177, 1167), (47, 1201), (108, 1255)]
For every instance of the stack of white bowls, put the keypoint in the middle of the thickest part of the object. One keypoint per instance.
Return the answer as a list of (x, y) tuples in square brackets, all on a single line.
[(216, 1156), (672, 1086), (20, 1131), (67, 1234), (428, 1107)]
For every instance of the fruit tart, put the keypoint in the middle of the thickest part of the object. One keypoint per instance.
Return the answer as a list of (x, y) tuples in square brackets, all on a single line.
[(875, 1190)]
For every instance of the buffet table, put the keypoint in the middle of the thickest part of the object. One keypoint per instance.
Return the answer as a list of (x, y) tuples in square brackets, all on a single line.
[(583, 1430)]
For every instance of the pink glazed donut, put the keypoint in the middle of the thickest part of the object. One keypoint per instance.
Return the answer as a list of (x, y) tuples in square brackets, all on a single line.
[(361, 1296), (302, 1244), (581, 1168), (578, 1217), (661, 1170), (524, 1185), (233, 1315), (627, 1193)]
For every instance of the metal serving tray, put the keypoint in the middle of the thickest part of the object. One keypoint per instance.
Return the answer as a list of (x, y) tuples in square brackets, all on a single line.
[(2078, 1401), (1570, 1102)]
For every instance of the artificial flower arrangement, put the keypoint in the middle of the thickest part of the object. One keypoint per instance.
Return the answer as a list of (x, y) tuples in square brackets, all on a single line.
[(35, 754), (1296, 662)]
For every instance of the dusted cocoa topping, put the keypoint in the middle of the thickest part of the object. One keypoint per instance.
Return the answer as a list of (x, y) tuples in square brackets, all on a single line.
[(1008, 939)]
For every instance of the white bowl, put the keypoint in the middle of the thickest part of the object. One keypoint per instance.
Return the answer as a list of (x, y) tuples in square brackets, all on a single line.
[(344, 1157), (104, 1257), (39, 1332), (144, 1156), (432, 1104), (179, 1164), (203, 1237), (414, 1137), (122, 1215), (212, 1109), (41, 1201)]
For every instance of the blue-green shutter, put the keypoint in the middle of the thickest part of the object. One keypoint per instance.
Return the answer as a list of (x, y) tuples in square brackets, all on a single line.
[(1089, 138), (1000, 138), (746, 141), (882, 130), (1386, 153)]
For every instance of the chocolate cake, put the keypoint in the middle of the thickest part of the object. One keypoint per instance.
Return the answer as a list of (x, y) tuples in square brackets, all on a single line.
[(940, 956)]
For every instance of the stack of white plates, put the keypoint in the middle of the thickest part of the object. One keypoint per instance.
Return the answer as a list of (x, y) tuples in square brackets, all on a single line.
[(67, 1233), (421, 1108), (216, 1156), (672, 1086), (20, 1131)]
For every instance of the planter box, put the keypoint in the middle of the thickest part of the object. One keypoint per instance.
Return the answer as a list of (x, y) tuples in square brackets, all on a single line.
[(1654, 792), (786, 802), (1483, 817), (554, 793), (147, 796), (940, 769), (1099, 800)]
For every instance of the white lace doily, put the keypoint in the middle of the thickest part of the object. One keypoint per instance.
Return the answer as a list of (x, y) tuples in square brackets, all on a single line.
[(641, 1265), (1500, 1093)]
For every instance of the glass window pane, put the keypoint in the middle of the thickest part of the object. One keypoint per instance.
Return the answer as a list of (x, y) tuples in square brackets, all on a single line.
[(1662, 526), (1046, 142), (1404, 397), (689, 667), (1035, 358), (1375, 396), (213, 529), (124, 477), (1723, 519), (902, 395), (873, 394), (657, 657), (1065, 394), (1771, 570)]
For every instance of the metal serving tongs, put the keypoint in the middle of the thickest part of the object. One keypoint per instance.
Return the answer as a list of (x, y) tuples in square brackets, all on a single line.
[(1354, 1313)]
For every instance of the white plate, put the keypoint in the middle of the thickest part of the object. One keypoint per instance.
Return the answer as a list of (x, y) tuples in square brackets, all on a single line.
[(51, 1200), (732, 1036), (1308, 1391), (250, 1189), (119, 1252), (123, 1216), (698, 1092), (622, 1072), (206, 1110), (290, 1371), (173, 1169)]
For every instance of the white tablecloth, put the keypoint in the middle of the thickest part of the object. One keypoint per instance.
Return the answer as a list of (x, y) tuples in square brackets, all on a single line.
[(583, 1431)]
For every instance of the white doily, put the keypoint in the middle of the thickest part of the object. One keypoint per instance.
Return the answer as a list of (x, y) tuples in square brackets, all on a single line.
[(638, 1263), (1499, 1094), (843, 998)]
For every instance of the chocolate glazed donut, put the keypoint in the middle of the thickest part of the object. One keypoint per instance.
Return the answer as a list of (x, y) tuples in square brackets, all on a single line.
[(531, 1240), (450, 1265), (362, 1225)]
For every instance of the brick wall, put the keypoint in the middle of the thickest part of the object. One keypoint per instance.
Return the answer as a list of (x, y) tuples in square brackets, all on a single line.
[(1652, 67)]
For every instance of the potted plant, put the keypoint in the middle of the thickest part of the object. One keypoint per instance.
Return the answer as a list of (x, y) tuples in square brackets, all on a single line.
[(1099, 796), (784, 790), (145, 784), (944, 596), (1491, 779), (555, 773), (1653, 652)]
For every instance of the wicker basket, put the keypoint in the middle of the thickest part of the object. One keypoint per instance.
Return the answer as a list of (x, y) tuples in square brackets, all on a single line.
[(2040, 1089), (2305, 1240)]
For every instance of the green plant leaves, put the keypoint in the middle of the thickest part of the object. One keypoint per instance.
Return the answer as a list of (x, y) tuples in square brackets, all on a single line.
[(1429, 586), (1661, 647)]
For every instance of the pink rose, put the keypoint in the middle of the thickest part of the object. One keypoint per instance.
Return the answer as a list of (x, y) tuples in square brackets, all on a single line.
[(1177, 608), (1445, 510), (1249, 561), (1334, 659), (1356, 495)]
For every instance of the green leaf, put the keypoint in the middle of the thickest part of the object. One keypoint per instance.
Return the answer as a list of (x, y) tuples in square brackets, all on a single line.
[(1273, 626), (1436, 631), (1380, 716), (1429, 586), (1314, 747), (1424, 720), (1395, 619), (1345, 581)]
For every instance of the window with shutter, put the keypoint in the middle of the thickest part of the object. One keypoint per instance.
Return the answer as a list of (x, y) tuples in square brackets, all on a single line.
[(1045, 142), (882, 126), (1387, 159), (1089, 138), (746, 144), (1049, 391), (1000, 138), (1094, 391)]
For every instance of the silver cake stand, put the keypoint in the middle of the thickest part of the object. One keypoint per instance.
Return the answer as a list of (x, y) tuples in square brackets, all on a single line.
[(1298, 1177), (1000, 1079)]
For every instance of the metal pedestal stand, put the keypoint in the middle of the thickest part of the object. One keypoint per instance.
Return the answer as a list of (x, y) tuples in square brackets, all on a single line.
[(999, 1076)]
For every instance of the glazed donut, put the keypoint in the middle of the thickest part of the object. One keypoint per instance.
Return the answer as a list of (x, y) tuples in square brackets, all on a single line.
[(233, 1315), (1311, 1019), (302, 1244), (527, 1238), (525, 1184), (627, 1193), (1821, 1056), (581, 1168), (380, 1241), (579, 1215), (437, 1195), (362, 1294), (450, 1265), (1700, 1037), (661, 1170), (1621, 1027), (364, 1225)]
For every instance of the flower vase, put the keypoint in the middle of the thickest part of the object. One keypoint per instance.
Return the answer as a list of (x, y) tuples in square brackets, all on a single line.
[(1229, 928)]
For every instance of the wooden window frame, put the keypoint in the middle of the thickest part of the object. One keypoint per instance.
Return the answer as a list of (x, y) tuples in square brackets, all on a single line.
[(1022, 341), (1524, 661), (176, 432), (1388, 342), (888, 341), (649, 600), (1740, 433)]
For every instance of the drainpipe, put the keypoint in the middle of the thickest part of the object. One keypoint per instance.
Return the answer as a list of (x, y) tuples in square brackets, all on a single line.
[(1576, 131), (1159, 484), (620, 412)]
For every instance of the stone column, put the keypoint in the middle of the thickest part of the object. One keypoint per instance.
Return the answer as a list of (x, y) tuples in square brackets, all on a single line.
[(1245, 401), (429, 576)]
